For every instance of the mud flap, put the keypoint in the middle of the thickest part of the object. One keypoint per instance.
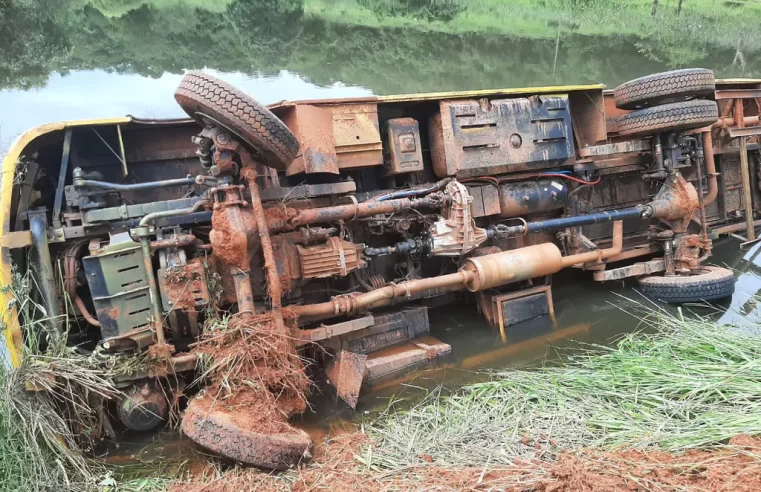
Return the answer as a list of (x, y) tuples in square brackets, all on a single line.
[(346, 373)]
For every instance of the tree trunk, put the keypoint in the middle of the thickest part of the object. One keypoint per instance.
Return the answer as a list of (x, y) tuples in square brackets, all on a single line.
[(655, 8), (679, 9)]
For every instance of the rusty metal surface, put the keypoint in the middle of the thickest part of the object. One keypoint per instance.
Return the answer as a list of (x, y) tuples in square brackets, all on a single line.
[(335, 257), (183, 287), (176, 241), (676, 202), (737, 93), (745, 170), (455, 232), (287, 260), (435, 96), (326, 332), (612, 113), (485, 200), (388, 329), (588, 117), (136, 339), (357, 135), (308, 191), (402, 357), (745, 132), (710, 165), (688, 249), (231, 221), (505, 310), (638, 145), (728, 122), (635, 270), (404, 152), (511, 266), (346, 374), (313, 127), (613, 165), (274, 288), (352, 303), (283, 218), (475, 138)]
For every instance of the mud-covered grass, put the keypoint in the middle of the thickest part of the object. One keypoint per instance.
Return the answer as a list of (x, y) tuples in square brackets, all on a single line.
[(245, 350), (674, 408), (342, 467)]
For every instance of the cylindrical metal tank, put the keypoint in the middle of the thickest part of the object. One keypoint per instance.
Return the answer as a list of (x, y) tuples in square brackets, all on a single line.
[(531, 197), (512, 266)]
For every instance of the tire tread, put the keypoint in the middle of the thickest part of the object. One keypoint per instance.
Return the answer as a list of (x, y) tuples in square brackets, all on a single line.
[(200, 92), (718, 284), (654, 89), (669, 117)]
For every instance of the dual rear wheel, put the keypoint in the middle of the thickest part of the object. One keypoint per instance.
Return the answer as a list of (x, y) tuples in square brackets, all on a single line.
[(667, 102)]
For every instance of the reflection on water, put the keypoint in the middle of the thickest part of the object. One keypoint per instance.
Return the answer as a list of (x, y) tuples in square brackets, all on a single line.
[(744, 312), (66, 59)]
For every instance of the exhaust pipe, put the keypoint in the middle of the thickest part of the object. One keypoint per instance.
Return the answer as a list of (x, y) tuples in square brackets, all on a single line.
[(477, 274)]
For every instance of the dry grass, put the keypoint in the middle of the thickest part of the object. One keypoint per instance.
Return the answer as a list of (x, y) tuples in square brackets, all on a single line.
[(51, 404)]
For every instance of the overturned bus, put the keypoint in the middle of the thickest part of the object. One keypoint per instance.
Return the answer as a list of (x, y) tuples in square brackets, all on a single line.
[(341, 221)]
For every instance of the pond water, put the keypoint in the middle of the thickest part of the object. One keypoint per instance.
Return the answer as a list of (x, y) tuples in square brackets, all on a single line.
[(74, 59)]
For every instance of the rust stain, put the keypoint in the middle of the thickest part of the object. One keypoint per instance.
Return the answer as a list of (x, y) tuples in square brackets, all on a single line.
[(346, 374)]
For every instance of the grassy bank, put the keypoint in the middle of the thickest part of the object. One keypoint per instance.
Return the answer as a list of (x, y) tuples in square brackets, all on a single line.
[(716, 23), (693, 384)]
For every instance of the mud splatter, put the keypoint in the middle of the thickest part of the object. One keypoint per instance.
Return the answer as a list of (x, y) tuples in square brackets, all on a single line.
[(256, 382), (336, 467), (158, 359)]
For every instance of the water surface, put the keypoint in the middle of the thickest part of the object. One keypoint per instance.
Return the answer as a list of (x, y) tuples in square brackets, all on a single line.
[(72, 59)]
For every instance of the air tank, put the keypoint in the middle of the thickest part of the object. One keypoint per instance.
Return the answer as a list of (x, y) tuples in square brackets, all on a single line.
[(532, 197)]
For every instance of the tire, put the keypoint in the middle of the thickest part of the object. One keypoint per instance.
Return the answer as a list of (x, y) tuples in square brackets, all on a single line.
[(663, 88), (218, 431), (711, 284), (201, 95), (669, 117)]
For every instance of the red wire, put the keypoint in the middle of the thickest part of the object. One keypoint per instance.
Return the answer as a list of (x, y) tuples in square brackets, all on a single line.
[(490, 179), (577, 180), (495, 181)]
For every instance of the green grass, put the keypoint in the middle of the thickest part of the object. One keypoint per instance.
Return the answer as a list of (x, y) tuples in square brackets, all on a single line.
[(693, 384), (700, 21)]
